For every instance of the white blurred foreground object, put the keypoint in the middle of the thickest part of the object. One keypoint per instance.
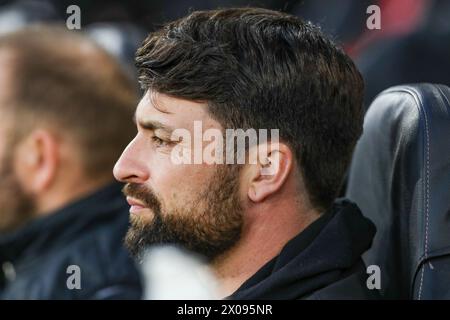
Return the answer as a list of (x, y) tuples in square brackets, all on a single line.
[(172, 274)]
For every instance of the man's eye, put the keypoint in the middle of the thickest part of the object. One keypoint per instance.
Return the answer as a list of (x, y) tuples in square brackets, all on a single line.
[(159, 142)]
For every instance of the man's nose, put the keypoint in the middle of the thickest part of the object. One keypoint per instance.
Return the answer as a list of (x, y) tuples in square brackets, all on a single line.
[(131, 167)]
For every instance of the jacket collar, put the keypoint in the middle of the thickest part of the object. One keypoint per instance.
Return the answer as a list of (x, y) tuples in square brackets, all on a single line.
[(315, 258)]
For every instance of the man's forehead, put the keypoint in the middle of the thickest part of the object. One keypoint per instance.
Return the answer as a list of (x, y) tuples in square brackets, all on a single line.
[(6, 73), (157, 106), (6, 93)]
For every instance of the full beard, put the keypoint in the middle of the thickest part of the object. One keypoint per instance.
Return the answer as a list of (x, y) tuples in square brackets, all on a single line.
[(209, 225)]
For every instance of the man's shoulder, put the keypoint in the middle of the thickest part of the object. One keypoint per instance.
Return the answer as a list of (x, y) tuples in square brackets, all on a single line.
[(103, 264), (78, 271), (353, 286), (88, 265)]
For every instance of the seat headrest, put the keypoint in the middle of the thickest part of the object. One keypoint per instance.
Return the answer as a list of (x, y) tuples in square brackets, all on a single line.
[(400, 178)]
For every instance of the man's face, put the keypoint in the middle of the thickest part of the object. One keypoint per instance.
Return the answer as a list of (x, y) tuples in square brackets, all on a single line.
[(196, 206), (16, 206)]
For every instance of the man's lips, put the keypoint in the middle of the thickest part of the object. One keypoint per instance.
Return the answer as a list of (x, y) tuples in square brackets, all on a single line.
[(135, 205)]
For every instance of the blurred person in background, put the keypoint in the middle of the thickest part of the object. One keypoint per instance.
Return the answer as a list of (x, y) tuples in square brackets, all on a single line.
[(277, 236), (63, 102)]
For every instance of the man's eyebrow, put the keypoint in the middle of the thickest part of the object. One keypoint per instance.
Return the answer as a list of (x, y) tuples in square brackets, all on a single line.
[(153, 125)]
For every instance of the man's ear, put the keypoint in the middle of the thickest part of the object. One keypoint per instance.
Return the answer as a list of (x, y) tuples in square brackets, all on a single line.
[(36, 160), (270, 173)]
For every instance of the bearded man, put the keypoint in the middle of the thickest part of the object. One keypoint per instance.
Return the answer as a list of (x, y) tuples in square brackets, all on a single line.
[(267, 236)]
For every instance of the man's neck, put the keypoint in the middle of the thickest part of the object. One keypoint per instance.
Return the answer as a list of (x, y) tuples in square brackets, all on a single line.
[(62, 196), (260, 242)]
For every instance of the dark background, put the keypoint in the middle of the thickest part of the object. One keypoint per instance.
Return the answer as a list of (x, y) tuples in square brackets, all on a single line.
[(413, 44)]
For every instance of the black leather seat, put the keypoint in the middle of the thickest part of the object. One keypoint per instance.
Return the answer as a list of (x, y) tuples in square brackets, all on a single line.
[(400, 178)]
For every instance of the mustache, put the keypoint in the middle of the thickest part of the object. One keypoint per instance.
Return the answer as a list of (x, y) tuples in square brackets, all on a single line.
[(144, 194)]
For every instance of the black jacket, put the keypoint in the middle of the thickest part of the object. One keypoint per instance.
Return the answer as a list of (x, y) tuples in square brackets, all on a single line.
[(322, 262), (89, 233)]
